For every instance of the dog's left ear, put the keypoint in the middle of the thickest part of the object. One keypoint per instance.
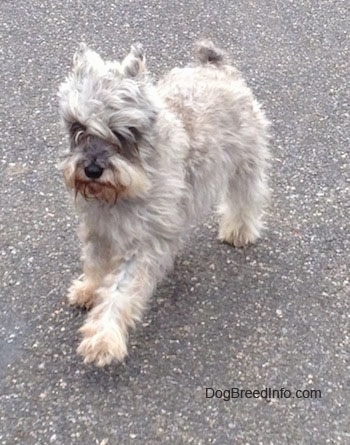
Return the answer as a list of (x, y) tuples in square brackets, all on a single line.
[(86, 60), (134, 64)]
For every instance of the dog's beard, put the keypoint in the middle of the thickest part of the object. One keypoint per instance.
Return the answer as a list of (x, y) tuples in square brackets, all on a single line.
[(119, 181), (102, 191)]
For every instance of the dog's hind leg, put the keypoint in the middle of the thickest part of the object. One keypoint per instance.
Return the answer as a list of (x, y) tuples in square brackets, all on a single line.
[(243, 204)]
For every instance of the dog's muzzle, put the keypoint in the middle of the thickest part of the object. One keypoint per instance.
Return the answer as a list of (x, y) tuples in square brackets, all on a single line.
[(93, 171)]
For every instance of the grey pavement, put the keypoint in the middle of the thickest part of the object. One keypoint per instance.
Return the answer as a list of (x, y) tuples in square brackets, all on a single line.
[(275, 315)]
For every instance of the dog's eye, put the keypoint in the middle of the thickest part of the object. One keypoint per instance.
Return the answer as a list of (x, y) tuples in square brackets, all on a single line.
[(134, 131), (77, 126), (76, 131), (127, 146), (120, 137)]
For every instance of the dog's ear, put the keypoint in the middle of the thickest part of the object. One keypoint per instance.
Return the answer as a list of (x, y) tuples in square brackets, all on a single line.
[(86, 60), (134, 64)]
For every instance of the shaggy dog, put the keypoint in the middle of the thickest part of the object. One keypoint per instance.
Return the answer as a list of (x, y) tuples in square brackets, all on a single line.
[(146, 162)]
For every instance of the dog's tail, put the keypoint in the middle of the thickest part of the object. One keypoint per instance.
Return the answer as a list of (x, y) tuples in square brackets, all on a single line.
[(207, 52)]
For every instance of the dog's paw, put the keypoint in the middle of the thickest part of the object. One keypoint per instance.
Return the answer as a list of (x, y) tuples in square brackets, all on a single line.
[(82, 293), (102, 343), (238, 238)]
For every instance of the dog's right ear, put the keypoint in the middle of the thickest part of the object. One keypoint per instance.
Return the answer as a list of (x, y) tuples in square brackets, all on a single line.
[(86, 60), (134, 64)]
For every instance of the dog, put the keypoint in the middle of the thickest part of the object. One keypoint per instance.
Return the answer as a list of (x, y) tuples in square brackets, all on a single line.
[(146, 160)]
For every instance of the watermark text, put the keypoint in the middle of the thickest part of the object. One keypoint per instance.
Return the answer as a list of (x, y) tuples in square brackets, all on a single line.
[(265, 393)]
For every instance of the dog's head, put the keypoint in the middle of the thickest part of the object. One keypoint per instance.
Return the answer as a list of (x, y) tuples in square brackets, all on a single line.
[(108, 113)]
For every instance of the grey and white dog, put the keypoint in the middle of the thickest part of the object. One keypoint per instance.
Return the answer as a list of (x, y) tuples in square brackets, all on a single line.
[(146, 161)]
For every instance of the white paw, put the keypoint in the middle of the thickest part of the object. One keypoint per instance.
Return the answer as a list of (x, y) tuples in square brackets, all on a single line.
[(238, 239), (239, 232), (102, 343), (82, 293)]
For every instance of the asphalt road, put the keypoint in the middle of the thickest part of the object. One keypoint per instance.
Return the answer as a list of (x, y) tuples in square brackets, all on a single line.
[(275, 315)]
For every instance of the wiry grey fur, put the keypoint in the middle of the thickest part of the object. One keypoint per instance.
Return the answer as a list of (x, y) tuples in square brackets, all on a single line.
[(166, 154)]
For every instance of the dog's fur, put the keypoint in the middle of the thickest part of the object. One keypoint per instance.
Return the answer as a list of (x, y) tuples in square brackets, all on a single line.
[(145, 163)]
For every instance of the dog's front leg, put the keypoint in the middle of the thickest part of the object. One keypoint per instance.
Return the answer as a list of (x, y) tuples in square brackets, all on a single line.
[(98, 261), (121, 300)]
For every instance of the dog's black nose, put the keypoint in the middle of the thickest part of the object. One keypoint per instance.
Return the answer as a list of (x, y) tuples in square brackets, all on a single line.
[(93, 171)]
